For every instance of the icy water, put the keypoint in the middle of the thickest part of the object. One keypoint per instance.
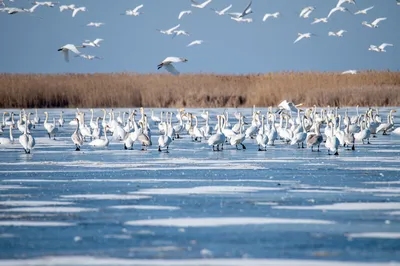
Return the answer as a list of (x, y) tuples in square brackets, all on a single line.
[(193, 206)]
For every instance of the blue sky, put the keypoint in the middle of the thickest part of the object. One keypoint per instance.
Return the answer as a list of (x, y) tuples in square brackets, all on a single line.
[(132, 44)]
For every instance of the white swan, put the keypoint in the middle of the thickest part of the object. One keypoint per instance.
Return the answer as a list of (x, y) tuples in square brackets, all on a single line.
[(223, 11), (51, 128), (77, 137), (238, 138), (315, 139), (218, 138), (185, 12), (164, 140), (363, 11), (380, 48), (337, 34), (202, 5), (304, 35), (61, 120), (10, 139), (319, 20), (167, 64), (351, 71), (77, 9), (305, 12), (262, 138), (101, 143), (269, 15), (332, 142), (66, 7), (95, 43), (27, 141), (95, 24), (69, 47), (374, 23), (196, 42), (169, 31), (338, 8)]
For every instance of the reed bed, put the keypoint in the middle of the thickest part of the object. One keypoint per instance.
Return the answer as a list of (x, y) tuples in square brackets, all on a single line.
[(198, 90)]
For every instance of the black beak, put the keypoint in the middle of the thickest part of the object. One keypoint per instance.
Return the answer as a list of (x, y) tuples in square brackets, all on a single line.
[(59, 49)]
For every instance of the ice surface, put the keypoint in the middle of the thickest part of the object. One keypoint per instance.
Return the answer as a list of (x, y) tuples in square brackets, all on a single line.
[(386, 235), (284, 206)]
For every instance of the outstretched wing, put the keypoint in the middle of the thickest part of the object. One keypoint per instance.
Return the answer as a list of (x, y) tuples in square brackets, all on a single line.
[(72, 48), (137, 8), (66, 57), (299, 38), (171, 69), (226, 9), (97, 41)]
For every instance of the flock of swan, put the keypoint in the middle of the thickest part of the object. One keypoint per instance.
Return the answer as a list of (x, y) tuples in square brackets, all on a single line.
[(289, 124), (242, 16)]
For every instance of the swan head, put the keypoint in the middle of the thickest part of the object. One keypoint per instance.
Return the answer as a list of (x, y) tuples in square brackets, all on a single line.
[(184, 59)]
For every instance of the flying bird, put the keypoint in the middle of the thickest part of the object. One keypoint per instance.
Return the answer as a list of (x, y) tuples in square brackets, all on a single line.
[(69, 47), (337, 34), (319, 20), (95, 24), (246, 11), (48, 4), (185, 12), (134, 12), (268, 15), (167, 64), (223, 11), (238, 19), (65, 7), (196, 42), (380, 48), (304, 35), (180, 32), (89, 57), (169, 31), (341, 2), (305, 12), (95, 43), (374, 24), (77, 9), (14, 10), (351, 71), (338, 8), (202, 5), (364, 11)]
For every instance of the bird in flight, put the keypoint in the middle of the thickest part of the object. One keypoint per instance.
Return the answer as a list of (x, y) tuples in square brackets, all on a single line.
[(167, 64)]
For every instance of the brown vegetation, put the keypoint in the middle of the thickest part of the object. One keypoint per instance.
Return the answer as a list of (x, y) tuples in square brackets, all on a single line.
[(198, 90)]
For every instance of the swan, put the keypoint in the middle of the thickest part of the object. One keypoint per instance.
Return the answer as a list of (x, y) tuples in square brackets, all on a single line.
[(218, 138), (337, 34), (238, 138), (76, 9), (363, 11), (273, 133), (206, 129), (384, 127), (248, 20), (179, 127), (365, 133), (299, 137), (66, 7), (164, 140), (95, 24), (48, 4), (134, 12), (95, 43), (96, 130), (36, 119), (198, 134), (373, 24), (26, 140), (305, 12), (350, 71), (50, 128), (100, 143), (273, 15), (154, 118), (348, 137), (85, 130), (169, 31), (61, 120), (304, 35), (223, 11), (202, 5), (185, 12), (341, 2), (319, 20), (180, 32), (246, 11), (143, 138), (77, 137), (315, 139), (262, 138), (338, 8), (89, 57), (9, 140), (332, 142), (167, 64), (380, 48), (196, 42), (14, 10), (69, 47)]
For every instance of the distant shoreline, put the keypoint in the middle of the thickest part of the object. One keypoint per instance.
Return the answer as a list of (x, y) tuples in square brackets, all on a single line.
[(367, 88)]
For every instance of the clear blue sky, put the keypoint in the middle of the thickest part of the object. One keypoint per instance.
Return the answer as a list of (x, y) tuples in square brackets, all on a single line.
[(132, 44)]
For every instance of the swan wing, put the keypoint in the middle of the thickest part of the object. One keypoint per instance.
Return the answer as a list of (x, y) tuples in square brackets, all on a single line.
[(226, 9), (72, 48), (66, 57), (171, 69), (137, 8)]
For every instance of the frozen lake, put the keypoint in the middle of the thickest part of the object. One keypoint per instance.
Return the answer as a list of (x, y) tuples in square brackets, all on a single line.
[(193, 206)]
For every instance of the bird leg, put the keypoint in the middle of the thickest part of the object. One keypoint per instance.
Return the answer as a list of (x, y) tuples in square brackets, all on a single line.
[(318, 148), (302, 145), (368, 142), (125, 147), (78, 148), (49, 135), (352, 147), (259, 148), (312, 148), (159, 148), (336, 153), (244, 147)]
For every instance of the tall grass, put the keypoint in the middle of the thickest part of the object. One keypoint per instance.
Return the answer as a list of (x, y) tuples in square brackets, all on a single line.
[(198, 90)]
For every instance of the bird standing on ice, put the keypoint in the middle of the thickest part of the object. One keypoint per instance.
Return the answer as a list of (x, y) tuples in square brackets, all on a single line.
[(167, 64)]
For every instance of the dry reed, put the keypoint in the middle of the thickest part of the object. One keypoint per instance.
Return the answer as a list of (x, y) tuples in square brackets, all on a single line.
[(198, 90)]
